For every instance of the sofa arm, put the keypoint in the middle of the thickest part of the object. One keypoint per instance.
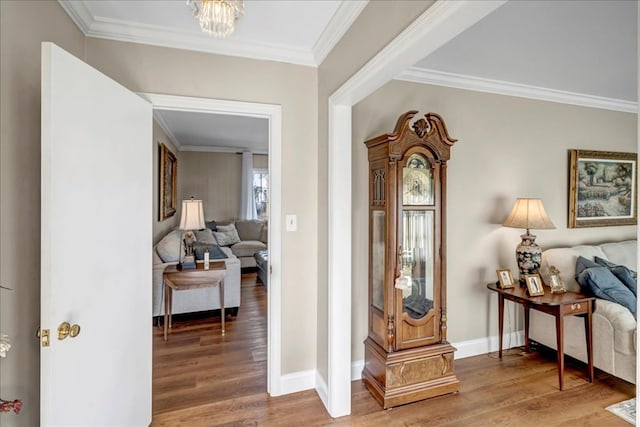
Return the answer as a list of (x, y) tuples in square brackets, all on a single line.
[(624, 325)]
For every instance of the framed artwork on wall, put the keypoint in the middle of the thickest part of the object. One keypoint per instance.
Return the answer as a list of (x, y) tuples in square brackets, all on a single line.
[(602, 188), (168, 175)]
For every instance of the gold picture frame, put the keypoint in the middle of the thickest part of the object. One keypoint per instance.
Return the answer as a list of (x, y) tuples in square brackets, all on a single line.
[(505, 278), (534, 284), (168, 175), (602, 188), (555, 281)]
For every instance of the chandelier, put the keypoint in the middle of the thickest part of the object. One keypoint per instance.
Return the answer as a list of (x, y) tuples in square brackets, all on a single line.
[(217, 17)]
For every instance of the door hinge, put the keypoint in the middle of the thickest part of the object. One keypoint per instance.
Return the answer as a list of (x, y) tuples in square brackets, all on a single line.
[(44, 337)]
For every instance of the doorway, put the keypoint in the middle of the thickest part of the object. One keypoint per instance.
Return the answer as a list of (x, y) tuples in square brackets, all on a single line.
[(273, 114)]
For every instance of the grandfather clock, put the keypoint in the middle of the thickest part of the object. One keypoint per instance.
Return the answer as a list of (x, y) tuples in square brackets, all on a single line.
[(407, 356)]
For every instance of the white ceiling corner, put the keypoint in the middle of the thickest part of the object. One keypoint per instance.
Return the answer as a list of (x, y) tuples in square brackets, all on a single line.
[(159, 118), (317, 32), (347, 13)]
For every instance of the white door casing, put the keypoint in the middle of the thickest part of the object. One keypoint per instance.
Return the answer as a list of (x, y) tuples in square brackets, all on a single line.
[(273, 113), (96, 242)]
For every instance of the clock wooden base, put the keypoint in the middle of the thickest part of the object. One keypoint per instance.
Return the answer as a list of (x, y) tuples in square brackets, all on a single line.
[(407, 376)]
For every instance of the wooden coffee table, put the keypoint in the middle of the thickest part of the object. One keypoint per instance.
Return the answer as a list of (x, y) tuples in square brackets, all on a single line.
[(557, 305), (195, 278)]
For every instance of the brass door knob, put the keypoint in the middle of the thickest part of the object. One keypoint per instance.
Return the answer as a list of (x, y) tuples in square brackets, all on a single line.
[(65, 330)]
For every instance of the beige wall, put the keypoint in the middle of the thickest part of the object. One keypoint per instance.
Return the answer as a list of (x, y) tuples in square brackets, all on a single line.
[(379, 23), (215, 178), (177, 72), (23, 26), (161, 228), (507, 148)]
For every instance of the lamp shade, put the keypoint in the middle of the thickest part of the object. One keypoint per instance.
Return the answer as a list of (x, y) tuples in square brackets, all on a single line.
[(192, 215), (529, 214)]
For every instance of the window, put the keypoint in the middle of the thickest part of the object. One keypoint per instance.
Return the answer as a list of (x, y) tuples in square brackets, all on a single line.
[(261, 192)]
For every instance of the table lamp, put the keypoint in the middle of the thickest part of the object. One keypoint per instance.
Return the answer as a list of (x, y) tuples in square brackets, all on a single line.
[(528, 214), (191, 218)]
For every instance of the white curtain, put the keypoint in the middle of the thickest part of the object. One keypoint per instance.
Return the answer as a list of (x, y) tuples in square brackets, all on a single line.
[(247, 198)]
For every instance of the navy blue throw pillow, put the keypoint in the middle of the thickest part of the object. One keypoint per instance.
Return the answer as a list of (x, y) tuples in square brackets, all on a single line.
[(628, 277), (601, 283), (582, 263), (606, 263), (214, 251)]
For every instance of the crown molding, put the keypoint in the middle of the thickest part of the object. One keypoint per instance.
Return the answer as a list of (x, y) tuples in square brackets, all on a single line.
[(120, 30), (221, 149), (167, 130), (79, 14), (340, 22), (478, 84)]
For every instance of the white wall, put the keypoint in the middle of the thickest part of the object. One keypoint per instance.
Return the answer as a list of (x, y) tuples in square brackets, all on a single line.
[(507, 148)]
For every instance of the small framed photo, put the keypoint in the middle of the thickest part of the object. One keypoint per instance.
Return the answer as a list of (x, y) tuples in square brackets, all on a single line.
[(505, 278), (555, 281), (534, 284)]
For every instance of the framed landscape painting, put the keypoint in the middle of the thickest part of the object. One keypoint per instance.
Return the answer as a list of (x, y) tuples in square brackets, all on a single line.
[(602, 188), (168, 175)]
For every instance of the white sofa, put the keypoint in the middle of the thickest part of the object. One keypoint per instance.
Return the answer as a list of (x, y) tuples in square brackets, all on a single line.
[(614, 327), (197, 299)]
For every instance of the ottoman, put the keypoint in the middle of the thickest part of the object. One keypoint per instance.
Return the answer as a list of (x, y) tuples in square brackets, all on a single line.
[(262, 262)]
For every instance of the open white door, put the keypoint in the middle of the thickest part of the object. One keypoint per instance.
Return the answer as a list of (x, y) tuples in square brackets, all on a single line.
[(96, 247)]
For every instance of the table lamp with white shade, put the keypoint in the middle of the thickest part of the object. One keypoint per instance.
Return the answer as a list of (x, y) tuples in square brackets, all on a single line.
[(191, 218), (528, 214)]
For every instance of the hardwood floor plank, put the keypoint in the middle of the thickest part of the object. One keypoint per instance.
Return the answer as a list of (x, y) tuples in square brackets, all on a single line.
[(202, 378)]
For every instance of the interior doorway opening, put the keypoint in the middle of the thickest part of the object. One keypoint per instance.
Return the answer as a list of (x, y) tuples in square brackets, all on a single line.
[(272, 113)]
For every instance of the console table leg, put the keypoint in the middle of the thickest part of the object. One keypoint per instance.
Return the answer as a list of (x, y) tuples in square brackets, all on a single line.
[(560, 344), (589, 336), (500, 323), (222, 315), (526, 328)]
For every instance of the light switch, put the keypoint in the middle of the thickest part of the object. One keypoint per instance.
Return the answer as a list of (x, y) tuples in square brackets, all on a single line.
[(292, 222)]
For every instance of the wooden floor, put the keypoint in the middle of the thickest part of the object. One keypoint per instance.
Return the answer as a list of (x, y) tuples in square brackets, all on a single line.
[(203, 379)]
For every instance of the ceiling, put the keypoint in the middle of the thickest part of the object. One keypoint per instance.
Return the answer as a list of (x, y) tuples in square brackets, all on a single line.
[(581, 52)]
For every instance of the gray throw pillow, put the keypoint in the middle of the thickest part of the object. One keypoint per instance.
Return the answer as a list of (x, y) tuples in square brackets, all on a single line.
[(169, 247), (205, 236), (227, 238), (212, 225), (601, 283)]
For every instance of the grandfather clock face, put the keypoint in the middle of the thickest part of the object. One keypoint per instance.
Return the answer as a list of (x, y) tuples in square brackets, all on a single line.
[(417, 182)]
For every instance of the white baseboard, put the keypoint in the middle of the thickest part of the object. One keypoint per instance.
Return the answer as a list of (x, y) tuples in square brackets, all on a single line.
[(487, 344), (356, 369), (307, 380), (297, 381), (322, 389)]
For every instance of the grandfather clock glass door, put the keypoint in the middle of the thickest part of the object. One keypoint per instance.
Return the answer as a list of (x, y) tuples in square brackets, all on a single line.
[(419, 304), (407, 356)]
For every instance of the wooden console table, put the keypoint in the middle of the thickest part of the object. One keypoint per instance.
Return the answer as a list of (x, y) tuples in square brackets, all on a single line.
[(195, 278), (557, 305)]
